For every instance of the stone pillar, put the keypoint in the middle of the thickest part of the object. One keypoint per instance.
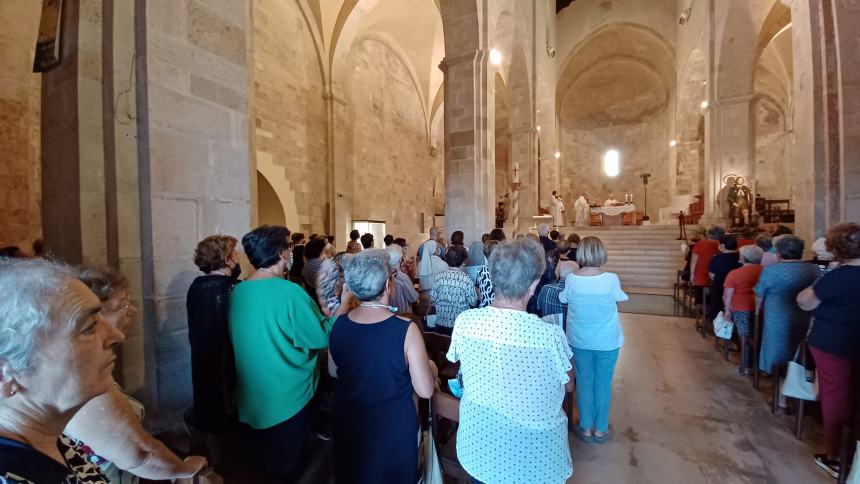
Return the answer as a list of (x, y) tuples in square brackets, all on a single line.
[(194, 169), (524, 156), (846, 36), (469, 144), (340, 158), (730, 125), (826, 97)]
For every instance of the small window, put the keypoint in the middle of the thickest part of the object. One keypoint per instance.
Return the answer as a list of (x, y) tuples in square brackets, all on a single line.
[(612, 163)]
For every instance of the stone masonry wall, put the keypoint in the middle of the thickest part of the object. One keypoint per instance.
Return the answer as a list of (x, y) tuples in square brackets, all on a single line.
[(394, 173), (197, 172), (772, 169), (289, 109), (20, 104)]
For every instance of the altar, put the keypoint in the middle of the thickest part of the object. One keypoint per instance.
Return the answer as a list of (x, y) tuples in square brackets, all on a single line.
[(613, 214)]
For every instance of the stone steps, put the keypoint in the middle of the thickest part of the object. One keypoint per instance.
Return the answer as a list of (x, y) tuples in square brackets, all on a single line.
[(647, 256)]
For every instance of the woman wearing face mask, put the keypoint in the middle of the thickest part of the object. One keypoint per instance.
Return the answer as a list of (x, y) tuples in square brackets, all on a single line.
[(213, 373), (277, 331)]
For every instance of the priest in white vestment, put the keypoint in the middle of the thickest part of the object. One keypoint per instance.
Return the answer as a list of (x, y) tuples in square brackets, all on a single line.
[(556, 209), (581, 211), (610, 201)]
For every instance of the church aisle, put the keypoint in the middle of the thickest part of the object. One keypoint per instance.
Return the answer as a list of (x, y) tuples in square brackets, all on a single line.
[(684, 415)]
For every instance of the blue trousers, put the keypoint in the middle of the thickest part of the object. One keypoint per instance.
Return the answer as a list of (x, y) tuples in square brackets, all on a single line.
[(594, 370)]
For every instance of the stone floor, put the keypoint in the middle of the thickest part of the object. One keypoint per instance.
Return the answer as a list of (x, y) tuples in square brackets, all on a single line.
[(683, 415)]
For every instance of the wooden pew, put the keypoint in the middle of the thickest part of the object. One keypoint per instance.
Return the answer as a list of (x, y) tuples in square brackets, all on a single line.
[(446, 416)]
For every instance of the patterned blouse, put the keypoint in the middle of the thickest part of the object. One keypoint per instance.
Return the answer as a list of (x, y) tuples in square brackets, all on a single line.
[(22, 464), (514, 366), (452, 293)]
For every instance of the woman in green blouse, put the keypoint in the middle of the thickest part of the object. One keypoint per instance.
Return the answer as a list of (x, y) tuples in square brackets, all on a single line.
[(277, 331)]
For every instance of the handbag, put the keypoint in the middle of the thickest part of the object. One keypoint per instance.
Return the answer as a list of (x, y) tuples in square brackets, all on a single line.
[(432, 469), (800, 382), (854, 476), (722, 328)]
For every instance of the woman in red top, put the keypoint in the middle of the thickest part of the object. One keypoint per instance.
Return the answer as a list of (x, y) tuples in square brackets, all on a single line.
[(739, 298), (703, 251)]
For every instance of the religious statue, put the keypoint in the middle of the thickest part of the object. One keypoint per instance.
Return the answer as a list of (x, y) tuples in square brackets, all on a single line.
[(740, 203), (502, 210), (556, 209), (581, 211)]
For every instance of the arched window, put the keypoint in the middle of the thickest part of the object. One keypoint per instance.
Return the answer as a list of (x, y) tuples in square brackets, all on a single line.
[(612, 163)]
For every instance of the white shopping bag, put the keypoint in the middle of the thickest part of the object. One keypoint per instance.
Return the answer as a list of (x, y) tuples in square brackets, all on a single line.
[(722, 328)]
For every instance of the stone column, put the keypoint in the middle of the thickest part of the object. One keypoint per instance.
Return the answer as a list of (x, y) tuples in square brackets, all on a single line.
[(524, 155), (340, 158), (469, 144), (826, 118), (730, 125), (194, 170)]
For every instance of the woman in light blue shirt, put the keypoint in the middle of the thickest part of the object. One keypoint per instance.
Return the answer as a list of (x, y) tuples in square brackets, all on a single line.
[(595, 335)]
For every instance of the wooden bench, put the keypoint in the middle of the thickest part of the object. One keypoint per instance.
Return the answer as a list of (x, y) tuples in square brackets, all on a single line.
[(445, 419)]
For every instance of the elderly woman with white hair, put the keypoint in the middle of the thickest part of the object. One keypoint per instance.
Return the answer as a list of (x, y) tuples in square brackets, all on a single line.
[(379, 360), (739, 298), (516, 369), (56, 354)]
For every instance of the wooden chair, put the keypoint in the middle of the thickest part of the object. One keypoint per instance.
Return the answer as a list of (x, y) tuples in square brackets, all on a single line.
[(446, 416)]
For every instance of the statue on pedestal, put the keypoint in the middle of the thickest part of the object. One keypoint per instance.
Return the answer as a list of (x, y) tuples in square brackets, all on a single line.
[(740, 203)]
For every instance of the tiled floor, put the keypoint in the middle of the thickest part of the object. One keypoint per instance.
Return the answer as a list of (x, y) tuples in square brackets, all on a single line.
[(683, 415)]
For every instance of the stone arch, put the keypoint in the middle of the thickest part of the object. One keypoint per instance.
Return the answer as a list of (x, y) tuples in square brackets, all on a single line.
[(281, 188), (736, 62), (270, 209), (616, 90), (778, 19)]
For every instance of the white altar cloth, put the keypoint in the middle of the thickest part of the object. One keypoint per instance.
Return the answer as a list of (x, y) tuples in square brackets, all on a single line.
[(614, 211)]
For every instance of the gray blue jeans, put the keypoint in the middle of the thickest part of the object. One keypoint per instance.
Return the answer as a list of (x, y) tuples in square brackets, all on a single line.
[(594, 370)]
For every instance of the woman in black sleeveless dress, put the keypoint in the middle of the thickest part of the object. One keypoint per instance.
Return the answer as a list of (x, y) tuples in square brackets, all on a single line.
[(379, 360)]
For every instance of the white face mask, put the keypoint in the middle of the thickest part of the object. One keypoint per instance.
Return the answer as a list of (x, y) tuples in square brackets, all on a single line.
[(290, 261)]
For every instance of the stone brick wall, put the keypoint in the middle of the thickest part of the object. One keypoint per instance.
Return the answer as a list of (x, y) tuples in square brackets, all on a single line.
[(289, 109), (772, 175), (394, 172), (20, 103), (196, 173), (623, 107)]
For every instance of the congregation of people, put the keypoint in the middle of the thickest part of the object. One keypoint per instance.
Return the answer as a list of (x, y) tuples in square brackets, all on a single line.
[(321, 344), (802, 303)]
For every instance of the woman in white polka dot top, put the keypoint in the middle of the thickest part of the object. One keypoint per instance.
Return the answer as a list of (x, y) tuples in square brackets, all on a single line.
[(516, 369)]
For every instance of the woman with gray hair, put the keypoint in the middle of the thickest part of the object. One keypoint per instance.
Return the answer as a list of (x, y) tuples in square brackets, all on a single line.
[(785, 323), (516, 369), (56, 354), (379, 360), (739, 299)]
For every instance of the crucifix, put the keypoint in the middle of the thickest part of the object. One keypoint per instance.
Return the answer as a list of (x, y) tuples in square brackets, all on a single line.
[(516, 171)]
